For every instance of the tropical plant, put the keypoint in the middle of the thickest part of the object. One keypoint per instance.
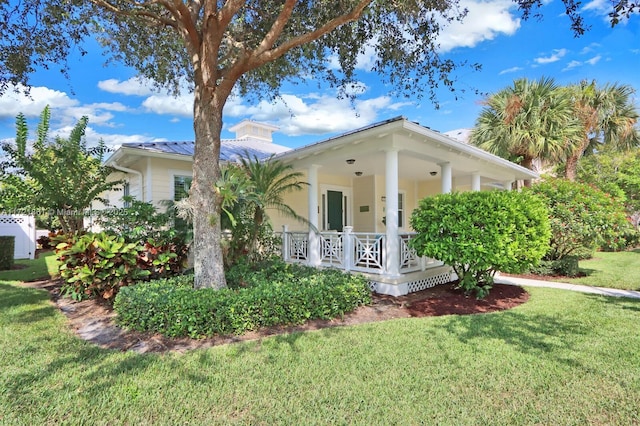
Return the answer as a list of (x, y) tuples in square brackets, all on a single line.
[(527, 121), (582, 217), (607, 115), (481, 233), (231, 46), (257, 187), (62, 177)]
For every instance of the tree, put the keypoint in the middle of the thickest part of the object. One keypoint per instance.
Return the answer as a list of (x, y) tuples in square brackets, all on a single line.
[(251, 46), (616, 173), (527, 121), (254, 187), (608, 117), (61, 177)]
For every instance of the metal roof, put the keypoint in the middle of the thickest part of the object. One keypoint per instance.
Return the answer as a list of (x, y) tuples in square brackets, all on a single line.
[(230, 149)]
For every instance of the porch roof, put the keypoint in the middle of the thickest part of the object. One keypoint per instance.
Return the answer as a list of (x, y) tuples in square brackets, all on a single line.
[(420, 149)]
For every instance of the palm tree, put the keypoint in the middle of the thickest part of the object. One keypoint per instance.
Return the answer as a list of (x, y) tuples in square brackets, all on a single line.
[(530, 120), (250, 189), (607, 116)]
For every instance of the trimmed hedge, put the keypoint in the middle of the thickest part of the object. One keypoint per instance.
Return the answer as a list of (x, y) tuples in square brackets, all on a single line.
[(7, 247), (294, 295)]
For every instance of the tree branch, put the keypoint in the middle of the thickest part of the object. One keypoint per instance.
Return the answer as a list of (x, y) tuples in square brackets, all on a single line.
[(276, 29)]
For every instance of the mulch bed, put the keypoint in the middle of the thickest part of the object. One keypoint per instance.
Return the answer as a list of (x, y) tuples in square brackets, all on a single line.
[(94, 321)]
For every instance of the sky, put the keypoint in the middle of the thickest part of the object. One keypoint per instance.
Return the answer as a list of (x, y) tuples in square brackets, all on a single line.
[(121, 108)]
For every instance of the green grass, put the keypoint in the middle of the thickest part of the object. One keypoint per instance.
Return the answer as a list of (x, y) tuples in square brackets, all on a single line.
[(44, 267), (612, 270), (562, 358)]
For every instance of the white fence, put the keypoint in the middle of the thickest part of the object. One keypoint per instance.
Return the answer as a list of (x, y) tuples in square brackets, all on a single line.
[(24, 229)]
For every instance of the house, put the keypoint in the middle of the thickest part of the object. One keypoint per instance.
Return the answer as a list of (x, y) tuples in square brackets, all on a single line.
[(363, 186)]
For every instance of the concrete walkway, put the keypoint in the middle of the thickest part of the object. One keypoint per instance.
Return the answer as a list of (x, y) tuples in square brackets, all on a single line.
[(564, 286)]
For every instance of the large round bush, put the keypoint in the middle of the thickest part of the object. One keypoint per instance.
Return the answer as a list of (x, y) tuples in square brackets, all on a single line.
[(480, 233)]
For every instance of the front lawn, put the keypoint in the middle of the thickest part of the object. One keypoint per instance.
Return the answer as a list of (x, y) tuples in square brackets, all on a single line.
[(42, 268), (612, 270), (561, 358)]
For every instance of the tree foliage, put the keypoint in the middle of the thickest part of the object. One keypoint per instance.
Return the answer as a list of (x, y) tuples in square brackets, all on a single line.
[(582, 217), (60, 177), (527, 121), (481, 233), (608, 117), (616, 173)]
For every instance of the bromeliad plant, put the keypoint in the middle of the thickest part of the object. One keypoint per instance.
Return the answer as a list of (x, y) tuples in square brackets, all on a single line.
[(98, 265)]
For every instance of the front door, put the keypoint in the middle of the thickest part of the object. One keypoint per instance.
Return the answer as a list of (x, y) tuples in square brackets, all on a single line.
[(335, 211)]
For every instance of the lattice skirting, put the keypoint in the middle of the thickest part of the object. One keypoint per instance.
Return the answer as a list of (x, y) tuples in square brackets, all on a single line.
[(410, 286), (429, 282)]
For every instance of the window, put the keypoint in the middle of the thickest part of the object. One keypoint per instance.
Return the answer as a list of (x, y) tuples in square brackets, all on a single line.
[(181, 186), (126, 192)]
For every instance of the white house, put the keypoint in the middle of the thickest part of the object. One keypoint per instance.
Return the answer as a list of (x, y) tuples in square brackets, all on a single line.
[(363, 186)]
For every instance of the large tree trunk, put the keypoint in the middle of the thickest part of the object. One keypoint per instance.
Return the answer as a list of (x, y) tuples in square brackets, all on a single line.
[(571, 165), (207, 123), (527, 162)]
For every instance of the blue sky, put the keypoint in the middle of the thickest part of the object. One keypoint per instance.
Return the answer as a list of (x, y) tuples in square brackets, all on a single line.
[(123, 109)]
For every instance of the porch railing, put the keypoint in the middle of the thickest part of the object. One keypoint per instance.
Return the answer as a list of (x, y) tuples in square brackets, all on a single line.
[(354, 251)]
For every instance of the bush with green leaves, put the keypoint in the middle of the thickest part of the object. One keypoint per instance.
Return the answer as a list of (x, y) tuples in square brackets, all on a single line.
[(583, 218), (98, 265), (7, 243), (282, 295), (481, 233), (139, 222)]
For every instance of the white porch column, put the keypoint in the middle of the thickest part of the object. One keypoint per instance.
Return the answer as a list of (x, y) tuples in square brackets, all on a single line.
[(314, 240), (285, 243), (392, 245), (447, 180), (507, 185), (475, 181)]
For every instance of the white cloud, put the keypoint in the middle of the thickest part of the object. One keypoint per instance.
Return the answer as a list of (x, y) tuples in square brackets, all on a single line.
[(510, 70), (601, 7), (12, 103), (554, 57), (485, 20), (167, 104), (571, 65), (113, 141), (594, 60), (133, 86), (315, 114)]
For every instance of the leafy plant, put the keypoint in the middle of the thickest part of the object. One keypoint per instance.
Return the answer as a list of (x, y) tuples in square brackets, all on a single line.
[(582, 218), (276, 294), (481, 233), (7, 243), (62, 176), (98, 265)]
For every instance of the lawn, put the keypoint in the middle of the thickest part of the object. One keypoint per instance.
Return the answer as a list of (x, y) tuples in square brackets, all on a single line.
[(44, 267), (561, 358), (613, 270)]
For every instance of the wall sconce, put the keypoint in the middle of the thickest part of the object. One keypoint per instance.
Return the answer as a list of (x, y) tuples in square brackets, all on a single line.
[(383, 198), (433, 173), (351, 161), (358, 173)]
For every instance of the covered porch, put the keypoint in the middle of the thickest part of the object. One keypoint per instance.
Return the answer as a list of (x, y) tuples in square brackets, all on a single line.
[(362, 188)]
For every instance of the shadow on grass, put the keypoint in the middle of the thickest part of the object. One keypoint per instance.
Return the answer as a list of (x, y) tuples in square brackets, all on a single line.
[(12, 296), (624, 303), (530, 333)]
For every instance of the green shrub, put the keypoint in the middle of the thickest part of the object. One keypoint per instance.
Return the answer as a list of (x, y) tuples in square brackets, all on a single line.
[(7, 247), (98, 265), (583, 218), (480, 233), (174, 309), (567, 266)]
